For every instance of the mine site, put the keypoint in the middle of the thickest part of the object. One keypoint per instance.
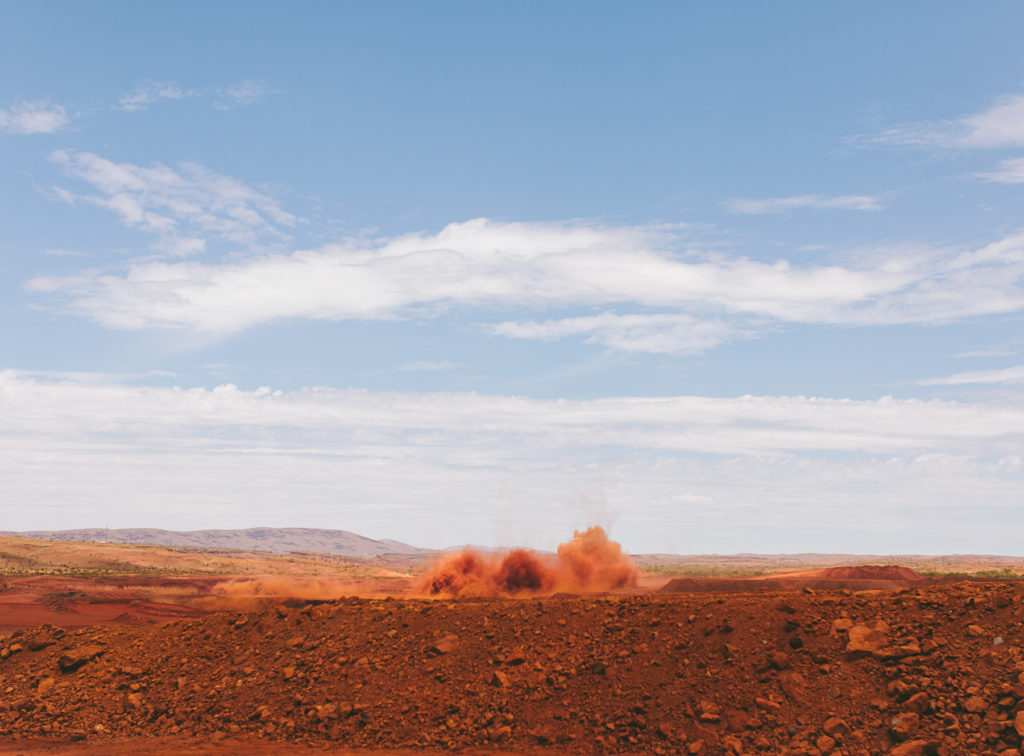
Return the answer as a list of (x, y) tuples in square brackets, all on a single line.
[(497, 377), (124, 649)]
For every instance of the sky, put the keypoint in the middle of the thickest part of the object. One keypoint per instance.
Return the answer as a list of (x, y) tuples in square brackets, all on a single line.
[(720, 278)]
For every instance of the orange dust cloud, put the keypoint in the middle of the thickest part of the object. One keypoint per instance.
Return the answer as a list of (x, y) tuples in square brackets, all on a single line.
[(589, 562), (240, 594)]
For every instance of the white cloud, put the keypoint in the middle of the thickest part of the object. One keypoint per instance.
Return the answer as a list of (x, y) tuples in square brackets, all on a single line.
[(490, 264), (1010, 375), (426, 366), (149, 92), (1001, 125), (659, 333), (36, 117), (181, 206), (1009, 172), (775, 205), (433, 468)]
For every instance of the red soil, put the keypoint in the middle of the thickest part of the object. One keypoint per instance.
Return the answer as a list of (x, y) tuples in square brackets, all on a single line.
[(79, 602), (936, 669), (180, 746)]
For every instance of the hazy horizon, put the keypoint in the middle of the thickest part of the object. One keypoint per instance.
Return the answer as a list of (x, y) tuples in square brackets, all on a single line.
[(430, 548)]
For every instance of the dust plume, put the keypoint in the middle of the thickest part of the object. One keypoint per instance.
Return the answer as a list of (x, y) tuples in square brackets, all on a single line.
[(592, 559), (241, 594), (589, 562)]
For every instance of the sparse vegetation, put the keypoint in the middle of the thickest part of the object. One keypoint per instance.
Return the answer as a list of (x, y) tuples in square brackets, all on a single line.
[(702, 571), (1004, 573), (24, 557)]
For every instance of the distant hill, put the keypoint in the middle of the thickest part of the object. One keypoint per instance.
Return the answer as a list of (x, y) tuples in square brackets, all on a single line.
[(277, 540)]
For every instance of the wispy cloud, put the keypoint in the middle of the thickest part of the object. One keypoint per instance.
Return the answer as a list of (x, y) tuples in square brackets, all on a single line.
[(35, 117), (776, 205), (1001, 125), (61, 252), (483, 264), (241, 94), (1001, 350), (658, 333), (91, 377), (1010, 375), (183, 207), (149, 92), (427, 366), (1008, 172)]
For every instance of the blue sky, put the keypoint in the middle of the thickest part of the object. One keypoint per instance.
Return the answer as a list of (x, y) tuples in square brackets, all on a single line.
[(720, 278)]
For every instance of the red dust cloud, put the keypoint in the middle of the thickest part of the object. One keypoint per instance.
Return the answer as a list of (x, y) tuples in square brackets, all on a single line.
[(245, 594), (589, 562)]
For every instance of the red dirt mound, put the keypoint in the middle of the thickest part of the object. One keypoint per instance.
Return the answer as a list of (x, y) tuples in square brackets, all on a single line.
[(870, 572)]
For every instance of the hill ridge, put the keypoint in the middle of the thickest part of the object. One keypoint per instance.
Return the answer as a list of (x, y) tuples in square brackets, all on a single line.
[(275, 540)]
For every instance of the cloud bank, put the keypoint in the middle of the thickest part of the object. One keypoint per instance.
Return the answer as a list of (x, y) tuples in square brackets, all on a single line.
[(763, 425), (437, 469)]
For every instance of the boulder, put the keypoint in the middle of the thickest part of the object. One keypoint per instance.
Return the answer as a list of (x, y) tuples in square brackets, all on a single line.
[(444, 645), (74, 658), (865, 640)]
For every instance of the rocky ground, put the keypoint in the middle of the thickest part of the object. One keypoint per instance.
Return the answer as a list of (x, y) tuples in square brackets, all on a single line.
[(930, 670)]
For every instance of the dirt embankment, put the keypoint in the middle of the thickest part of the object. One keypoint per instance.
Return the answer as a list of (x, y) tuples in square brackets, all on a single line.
[(931, 670), (860, 578)]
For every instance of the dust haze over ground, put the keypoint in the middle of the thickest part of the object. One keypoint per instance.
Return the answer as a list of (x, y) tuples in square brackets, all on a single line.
[(589, 562), (250, 593)]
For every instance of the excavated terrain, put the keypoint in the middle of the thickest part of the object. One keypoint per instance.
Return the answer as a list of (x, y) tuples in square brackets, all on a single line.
[(867, 577), (936, 669)]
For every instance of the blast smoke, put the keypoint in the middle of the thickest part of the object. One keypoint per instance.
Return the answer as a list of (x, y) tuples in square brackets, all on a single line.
[(589, 562)]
